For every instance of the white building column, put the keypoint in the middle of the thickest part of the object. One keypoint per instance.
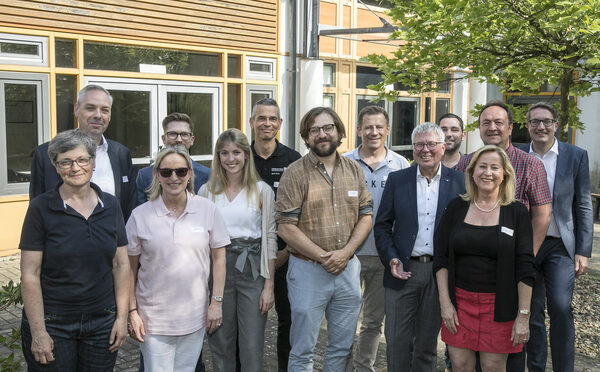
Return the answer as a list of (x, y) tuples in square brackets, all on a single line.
[(310, 93), (477, 95)]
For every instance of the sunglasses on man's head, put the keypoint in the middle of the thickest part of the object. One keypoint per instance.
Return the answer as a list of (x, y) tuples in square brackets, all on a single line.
[(167, 172)]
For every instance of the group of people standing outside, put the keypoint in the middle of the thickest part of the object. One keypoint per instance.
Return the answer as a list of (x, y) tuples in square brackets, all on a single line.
[(472, 245)]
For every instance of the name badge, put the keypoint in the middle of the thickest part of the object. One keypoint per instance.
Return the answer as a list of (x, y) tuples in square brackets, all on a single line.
[(125, 179), (275, 184), (198, 229), (507, 231), (353, 193)]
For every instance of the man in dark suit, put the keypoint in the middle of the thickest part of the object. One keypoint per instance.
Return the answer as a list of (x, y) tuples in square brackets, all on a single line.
[(565, 252), (412, 205), (178, 129), (114, 171)]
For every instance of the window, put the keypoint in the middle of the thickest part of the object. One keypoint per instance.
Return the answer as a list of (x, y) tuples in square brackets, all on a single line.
[(234, 62), (65, 53), (255, 93), (23, 50), (65, 96), (101, 56), (329, 100), (24, 110), (442, 106), (366, 76), (329, 74), (260, 68)]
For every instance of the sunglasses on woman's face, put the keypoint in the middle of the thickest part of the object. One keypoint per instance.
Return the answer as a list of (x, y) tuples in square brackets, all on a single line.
[(167, 172)]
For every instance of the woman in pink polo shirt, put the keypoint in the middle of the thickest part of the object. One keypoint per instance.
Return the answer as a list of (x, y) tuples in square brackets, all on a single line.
[(247, 206), (172, 240)]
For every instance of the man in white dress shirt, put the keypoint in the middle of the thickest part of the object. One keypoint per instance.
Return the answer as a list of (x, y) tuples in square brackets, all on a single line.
[(113, 172), (376, 161)]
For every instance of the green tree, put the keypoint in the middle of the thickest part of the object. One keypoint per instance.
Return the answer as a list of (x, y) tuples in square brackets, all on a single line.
[(516, 44)]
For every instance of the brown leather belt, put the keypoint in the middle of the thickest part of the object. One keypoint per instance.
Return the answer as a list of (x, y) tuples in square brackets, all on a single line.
[(303, 257), (423, 258)]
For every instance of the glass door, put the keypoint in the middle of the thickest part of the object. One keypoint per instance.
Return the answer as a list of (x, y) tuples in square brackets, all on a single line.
[(139, 106)]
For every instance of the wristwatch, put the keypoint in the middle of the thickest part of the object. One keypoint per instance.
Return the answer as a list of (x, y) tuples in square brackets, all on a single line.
[(217, 298), (524, 312)]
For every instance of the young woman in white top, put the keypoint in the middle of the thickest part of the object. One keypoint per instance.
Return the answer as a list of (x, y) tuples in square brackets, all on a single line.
[(247, 207)]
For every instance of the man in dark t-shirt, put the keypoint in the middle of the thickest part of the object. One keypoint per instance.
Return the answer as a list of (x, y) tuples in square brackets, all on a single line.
[(270, 159)]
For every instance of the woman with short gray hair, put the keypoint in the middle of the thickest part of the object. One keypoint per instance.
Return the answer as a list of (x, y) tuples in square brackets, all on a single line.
[(74, 267)]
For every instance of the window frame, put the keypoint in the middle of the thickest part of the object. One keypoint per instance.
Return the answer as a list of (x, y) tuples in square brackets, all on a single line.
[(41, 59), (42, 82)]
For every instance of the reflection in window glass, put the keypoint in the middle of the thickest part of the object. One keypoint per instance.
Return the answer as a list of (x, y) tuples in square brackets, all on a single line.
[(199, 107), (65, 51), (102, 56), (442, 106), (130, 121), (404, 119), (18, 48), (21, 129), (65, 97), (260, 67), (329, 100), (366, 76), (234, 65), (234, 105), (444, 86), (329, 74)]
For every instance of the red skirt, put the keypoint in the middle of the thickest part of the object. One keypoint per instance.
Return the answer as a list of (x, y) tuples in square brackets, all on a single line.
[(477, 330)]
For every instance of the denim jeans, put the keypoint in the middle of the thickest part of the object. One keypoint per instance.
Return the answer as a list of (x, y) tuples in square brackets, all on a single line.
[(81, 342), (313, 292), (553, 285)]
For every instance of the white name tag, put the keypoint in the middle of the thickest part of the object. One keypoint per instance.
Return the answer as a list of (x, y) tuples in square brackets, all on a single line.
[(198, 229), (353, 193), (275, 184), (507, 231), (125, 179)]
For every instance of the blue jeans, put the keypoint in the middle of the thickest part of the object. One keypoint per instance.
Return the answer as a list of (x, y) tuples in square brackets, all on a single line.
[(554, 284), (313, 292), (81, 342)]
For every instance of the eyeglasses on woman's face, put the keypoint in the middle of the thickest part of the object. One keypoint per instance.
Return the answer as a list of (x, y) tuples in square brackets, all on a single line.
[(68, 163)]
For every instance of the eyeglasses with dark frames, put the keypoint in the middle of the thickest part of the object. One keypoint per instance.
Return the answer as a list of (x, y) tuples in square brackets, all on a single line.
[(167, 172), (184, 135), (546, 122), (68, 163), (327, 129)]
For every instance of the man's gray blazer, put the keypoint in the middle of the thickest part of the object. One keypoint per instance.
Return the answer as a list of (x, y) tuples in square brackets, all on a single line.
[(571, 199)]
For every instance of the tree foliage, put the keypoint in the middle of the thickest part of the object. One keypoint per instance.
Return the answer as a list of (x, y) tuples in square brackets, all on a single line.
[(516, 44)]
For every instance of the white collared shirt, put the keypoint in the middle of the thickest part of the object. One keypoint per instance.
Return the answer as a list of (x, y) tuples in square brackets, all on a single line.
[(427, 201), (103, 172), (549, 159)]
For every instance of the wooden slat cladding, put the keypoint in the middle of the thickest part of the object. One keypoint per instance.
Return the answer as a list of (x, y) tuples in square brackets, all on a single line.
[(245, 25)]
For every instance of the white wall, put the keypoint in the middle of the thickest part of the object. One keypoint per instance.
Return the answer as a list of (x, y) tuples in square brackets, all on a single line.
[(590, 115)]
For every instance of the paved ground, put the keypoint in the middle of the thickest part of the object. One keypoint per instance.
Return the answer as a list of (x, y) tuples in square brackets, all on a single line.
[(128, 359)]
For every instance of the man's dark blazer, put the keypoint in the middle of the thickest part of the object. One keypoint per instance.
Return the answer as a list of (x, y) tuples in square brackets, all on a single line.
[(44, 176), (571, 199), (397, 223)]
